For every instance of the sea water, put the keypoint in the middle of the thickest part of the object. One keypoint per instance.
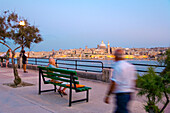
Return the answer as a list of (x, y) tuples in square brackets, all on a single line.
[(106, 63)]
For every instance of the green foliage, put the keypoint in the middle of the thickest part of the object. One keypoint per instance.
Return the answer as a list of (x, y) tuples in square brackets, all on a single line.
[(155, 86), (22, 35), (152, 108), (27, 34), (165, 74), (151, 85)]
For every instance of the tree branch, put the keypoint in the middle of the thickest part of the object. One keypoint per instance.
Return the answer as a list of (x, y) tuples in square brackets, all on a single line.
[(5, 45), (19, 46)]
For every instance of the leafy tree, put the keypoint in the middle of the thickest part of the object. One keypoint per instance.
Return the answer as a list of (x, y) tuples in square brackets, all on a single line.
[(150, 85), (23, 36), (156, 86), (165, 74)]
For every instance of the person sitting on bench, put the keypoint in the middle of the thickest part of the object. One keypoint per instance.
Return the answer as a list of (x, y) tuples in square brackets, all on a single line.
[(52, 65)]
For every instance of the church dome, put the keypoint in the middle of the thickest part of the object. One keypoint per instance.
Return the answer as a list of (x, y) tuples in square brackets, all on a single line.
[(102, 46)]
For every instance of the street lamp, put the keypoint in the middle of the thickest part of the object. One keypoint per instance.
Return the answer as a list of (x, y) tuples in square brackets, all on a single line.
[(22, 23)]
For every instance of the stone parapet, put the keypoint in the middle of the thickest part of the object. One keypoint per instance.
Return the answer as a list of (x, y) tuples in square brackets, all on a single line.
[(107, 73), (90, 75), (104, 76), (33, 67)]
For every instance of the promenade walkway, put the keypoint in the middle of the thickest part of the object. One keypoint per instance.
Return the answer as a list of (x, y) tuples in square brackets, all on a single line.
[(27, 100)]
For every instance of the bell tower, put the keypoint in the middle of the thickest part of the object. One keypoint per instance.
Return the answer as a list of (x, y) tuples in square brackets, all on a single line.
[(108, 48)]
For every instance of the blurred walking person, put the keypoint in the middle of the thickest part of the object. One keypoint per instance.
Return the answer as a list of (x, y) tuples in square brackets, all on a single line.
[(8, 55), (122, 84)]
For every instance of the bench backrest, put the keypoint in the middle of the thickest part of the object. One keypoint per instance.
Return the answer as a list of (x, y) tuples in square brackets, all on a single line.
[(58, 74), (64, 71)]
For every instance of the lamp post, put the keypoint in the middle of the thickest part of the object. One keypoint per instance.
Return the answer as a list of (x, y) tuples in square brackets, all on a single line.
[(22, 24)]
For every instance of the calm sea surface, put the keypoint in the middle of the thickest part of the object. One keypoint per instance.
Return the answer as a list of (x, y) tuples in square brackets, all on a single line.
[(138, 67)]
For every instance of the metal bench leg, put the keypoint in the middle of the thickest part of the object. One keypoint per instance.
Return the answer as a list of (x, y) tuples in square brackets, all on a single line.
[(39, 82), (70, 97), (87, 96), (55, 88)]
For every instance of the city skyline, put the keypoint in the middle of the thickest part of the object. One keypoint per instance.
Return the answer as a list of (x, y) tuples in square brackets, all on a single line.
[(76, 24), (102, 51)]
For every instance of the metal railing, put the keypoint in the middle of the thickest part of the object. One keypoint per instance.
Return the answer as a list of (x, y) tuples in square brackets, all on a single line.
[(38, 61), (77, 66), (82, 65), (147, 65), (10, 60)]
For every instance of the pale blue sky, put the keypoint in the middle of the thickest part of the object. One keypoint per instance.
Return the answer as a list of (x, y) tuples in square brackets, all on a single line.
[(69, 24)]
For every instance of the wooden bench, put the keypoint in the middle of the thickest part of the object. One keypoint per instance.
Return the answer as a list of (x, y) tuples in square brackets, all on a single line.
[(61, 75)]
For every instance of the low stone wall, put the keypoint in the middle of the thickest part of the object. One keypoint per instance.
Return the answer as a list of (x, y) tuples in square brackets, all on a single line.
[(104, 76), (90, 75), (33, 67)]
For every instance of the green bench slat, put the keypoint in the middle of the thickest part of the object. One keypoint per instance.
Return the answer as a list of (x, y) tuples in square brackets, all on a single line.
[(60, 79), (61, 75), (64, 85), (49, 82), (63, 71), (59, 70), (83, 89)]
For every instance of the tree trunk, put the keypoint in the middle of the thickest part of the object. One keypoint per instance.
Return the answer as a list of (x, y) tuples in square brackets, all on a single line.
[(167, 101), (151, 111), (17, 79), (20, 59)]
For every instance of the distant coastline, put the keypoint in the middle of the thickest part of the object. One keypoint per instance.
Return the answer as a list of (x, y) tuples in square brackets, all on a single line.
[(100, 53)]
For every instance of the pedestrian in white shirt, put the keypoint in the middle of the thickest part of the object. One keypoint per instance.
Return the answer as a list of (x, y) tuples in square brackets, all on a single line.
[(122, 82)]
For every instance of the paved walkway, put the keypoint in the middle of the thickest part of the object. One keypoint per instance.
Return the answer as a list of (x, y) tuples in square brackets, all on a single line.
[(27, 100)]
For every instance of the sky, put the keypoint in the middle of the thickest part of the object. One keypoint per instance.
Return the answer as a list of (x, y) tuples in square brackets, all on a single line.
[(69, 24)]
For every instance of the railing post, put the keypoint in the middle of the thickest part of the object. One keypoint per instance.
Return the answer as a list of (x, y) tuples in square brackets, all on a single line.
[(76, 64), (102, 65), (56, 62), (35, 61)]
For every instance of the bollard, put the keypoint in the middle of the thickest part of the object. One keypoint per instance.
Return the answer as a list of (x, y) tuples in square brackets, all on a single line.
[(107, 73)]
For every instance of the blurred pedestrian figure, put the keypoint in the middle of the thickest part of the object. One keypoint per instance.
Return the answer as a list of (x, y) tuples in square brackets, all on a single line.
[(8, 55), (24, 60), (122, 82), (2, 58)]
